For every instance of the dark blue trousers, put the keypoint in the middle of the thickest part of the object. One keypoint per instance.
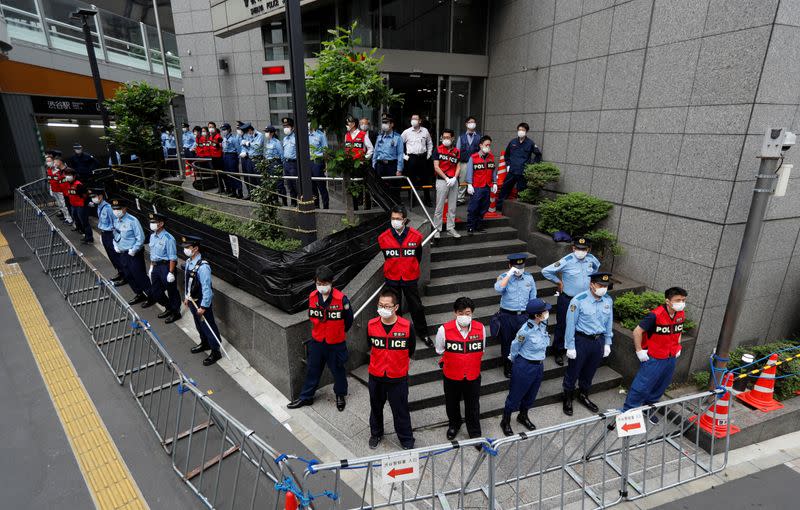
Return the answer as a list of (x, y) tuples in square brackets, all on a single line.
[(650, 383), (107, 237), (206, 337), (588, 359), (512, 180), (526, 377), (290, 169), (81, 217), (230, 163), (161, 291), (134, 271), (249, 167), (396, 392), (319, 355), (478, 205), (504, 326), (320, 187), (561, 322)]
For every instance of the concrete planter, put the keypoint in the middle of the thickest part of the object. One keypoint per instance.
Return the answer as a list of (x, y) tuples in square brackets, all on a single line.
[(623, 355)]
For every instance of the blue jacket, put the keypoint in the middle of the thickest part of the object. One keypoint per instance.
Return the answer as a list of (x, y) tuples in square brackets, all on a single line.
[(518, 154), (467, 149)]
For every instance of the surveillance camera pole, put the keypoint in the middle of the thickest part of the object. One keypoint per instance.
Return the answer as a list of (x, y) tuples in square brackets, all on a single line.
[(771, 156)]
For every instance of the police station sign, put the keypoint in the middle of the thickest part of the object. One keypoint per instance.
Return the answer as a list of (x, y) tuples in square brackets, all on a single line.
[(231, 16)]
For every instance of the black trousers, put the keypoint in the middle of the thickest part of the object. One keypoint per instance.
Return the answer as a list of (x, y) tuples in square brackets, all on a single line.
[(134, 271), (470, 392), (396, 392), (163, 292), (107, 237), (410, 294), (420, 170), (321, 354), (389, 169)]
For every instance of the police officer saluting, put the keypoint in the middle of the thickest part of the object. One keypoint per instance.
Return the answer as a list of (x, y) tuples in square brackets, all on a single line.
[(527, 355), (587, 339), (128, 243), (658, 344), (392, 343), (516, 287), (197, 298), (163, 260), (571, 274), (461, 343), (331, 317), (105, 223)]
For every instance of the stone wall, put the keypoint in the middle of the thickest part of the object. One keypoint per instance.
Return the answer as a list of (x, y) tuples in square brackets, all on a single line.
[(659, 106)]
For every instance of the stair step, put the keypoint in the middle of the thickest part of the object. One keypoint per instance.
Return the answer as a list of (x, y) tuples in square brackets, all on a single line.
[(498, 263), (475, 281), (478, 249), (487, 222), (493, 233)]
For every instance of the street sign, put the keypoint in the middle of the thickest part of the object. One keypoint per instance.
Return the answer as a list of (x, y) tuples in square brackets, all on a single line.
[(234, 245), (630, 423), (400, 468)]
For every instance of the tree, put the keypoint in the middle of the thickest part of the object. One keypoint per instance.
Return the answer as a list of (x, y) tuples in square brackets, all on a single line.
[(342, 79)]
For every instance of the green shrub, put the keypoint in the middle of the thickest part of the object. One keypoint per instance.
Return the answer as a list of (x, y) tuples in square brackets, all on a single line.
[(701, 379), (574, 213), (630, 308), (784, 388), (604, 241), (537, 176)]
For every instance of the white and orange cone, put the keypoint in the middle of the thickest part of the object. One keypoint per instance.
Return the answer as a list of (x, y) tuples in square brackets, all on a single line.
[(501, 177), (761, 397), (715, 419)]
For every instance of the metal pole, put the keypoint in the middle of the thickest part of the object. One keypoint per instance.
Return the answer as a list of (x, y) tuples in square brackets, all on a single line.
[(305, 204), (771, 155), (169, 87)]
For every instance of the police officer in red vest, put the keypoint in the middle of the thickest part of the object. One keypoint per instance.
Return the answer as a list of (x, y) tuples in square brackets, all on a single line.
[(331, 317), (658, 344), (481, 182), (392, 343), (402, 250), (78, 196), (461, 343)]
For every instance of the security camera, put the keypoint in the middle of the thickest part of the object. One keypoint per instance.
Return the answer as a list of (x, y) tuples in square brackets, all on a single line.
[(776, 142), (789, 139), (83, 12)]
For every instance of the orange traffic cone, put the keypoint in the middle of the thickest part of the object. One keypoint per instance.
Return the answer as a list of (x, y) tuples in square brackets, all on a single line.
[(715, 419), (501, 177), (291, 502), (760, 397), (187, 169)]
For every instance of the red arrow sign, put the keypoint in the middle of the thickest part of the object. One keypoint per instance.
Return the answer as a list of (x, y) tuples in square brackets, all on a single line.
[(631, 426), (397, 472)]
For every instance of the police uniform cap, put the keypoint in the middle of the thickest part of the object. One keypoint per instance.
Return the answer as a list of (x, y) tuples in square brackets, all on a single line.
[(117, 203), (387, 118), (270, 129), (287, 121), (537, 305), (96, 191), (517, 258), (246, 126), (226, 126), (187, 240), (601, 278), (581, 242), (156, 217), (185, 124), (77, 145)]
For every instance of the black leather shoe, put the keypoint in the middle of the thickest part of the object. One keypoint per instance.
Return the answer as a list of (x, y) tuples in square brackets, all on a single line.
[(117, 276), (522, 419), (148, 304), (119, 283), (138, 298), (507, 369), (197, 349), (452, 432), (172, 318), (374, 441), (212, 358), (340, 403), (567, 403), (427, 340), (164, 314), (505, 424), (408, 446), (583, 398), (559, 358), (300, 402)]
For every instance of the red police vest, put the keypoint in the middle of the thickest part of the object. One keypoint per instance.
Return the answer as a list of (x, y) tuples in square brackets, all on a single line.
[(462, 356), (389, 354), (482, 170), (401, 258), (355, 145), (54, 179), (327, 324), (664, 342), (214, 145), (448, 160), (201, 147), (76, 198)]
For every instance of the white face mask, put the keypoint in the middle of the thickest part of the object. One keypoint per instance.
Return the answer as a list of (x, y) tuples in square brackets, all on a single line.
[(414, 123), (486, 150), (154, 227), (49, 163), (385, 127), (383, 312), (204, 133), (239, 132), (225, 132), (471, 125), (580, 254), (447, 142), (119, 213), (678, 307), (185, 130), (522, 133), (212, 130), (69, 178), (464, 320), (78, 151), (364, 127), (324, 289), (600, 291), (287, 130), (96, 200), (545, 316), (397, 224), (187, 252)]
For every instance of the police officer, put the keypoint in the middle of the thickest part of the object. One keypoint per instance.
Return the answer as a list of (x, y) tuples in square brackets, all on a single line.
[(128, 243), (105, 223), (290, 157), (445, 166), (571, 274), (519, 152), (169, 142), (83, 163), (358, 146), (527, 355), (187, 141), (78, 195), (657, 339), (231, 147), (331, 317), (197, 298), (481, 182), (461, 342), (467, 145), (387, 159), (317, 143), (273, 153), (392, 343), (402, 251), (163, 261), (587, 339), (516, 287), (253, 148)]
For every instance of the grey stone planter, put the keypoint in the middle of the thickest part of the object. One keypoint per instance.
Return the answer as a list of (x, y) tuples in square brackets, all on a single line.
[(623, 355)]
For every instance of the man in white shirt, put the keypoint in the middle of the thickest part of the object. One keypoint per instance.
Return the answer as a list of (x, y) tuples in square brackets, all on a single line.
[(419, 147)]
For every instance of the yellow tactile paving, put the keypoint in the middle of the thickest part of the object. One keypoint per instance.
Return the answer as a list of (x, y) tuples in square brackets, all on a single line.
[(109, 481)]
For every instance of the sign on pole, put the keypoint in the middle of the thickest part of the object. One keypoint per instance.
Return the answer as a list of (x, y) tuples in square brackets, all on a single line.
[(630, 423), (400, 468), (234, 245)]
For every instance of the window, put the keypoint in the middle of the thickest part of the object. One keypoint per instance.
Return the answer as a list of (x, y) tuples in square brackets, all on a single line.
[(276, 42), (470, 26), (422, 25)]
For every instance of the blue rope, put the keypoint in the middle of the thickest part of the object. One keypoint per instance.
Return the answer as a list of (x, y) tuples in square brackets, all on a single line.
[(288, 485), (714, 370)]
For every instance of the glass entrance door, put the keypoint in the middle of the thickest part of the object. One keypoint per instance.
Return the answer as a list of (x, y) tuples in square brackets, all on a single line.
[(421, 96)]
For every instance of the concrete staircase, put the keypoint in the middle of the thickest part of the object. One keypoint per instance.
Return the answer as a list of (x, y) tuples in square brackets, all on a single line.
[(469, 266)]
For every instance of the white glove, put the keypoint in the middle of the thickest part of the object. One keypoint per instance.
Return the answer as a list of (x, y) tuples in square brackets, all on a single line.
[(642, 355), (243, 154), (494, 188), (515, 271), (470, 189), (405, 157), (170, 277), (451, 182), (131, 252), (572, 353), (150, 273), (678, 354), (246, 143), (606, 350), (116, 248)]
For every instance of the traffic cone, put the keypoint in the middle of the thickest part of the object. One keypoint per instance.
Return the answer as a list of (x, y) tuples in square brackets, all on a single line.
[(761, 396), (715, 419), (501, 177), (291, 502), (187, 169)]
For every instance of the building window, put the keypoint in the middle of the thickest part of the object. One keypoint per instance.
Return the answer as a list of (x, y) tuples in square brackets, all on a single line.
[(422, 25), (276, 42), (470, 26), (280, 101)]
